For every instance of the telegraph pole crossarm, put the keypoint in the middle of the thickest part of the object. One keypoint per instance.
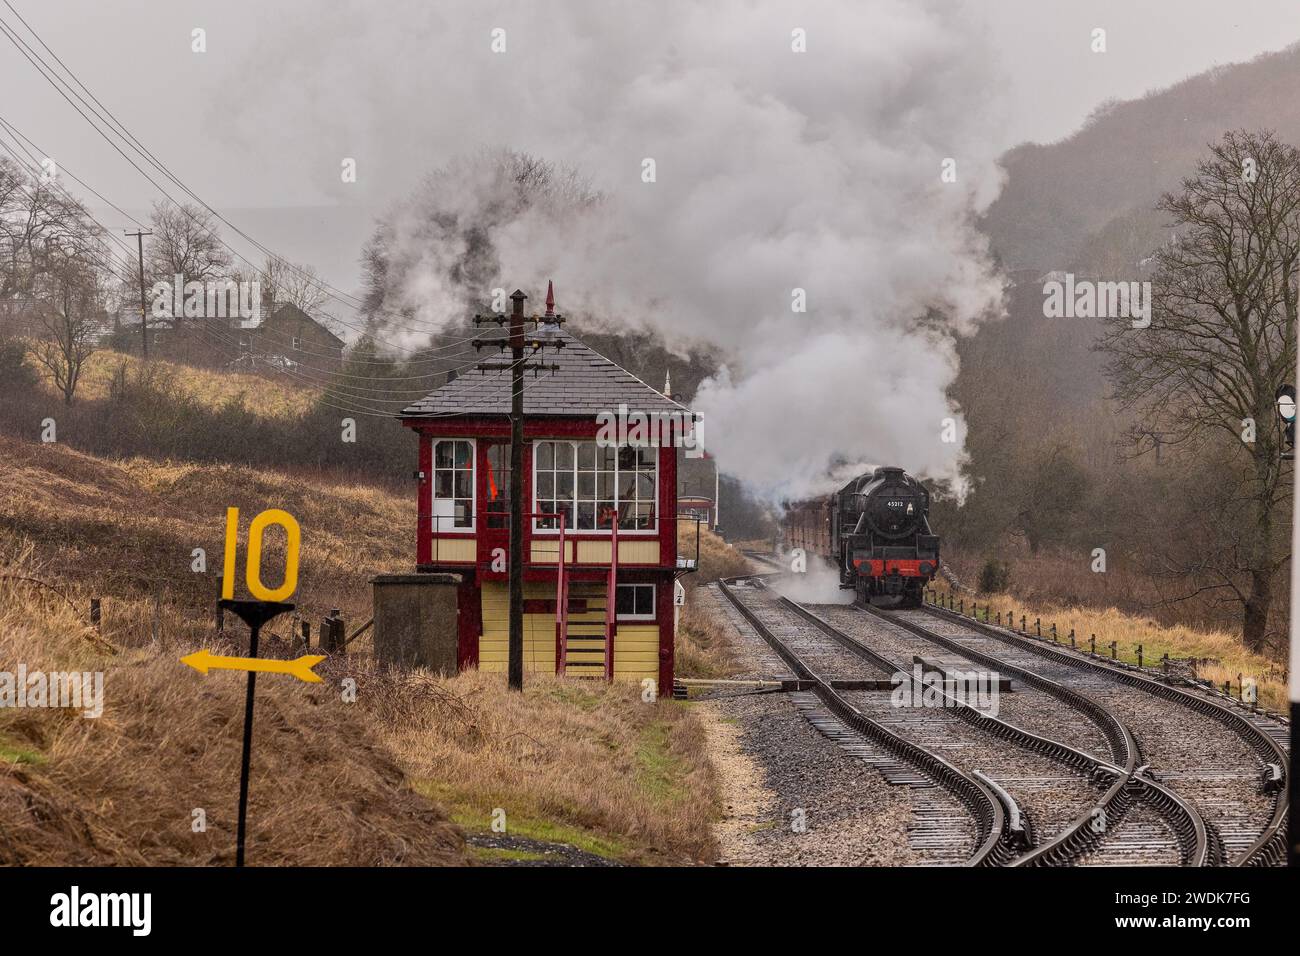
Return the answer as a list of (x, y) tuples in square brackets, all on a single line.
[(518, 343)]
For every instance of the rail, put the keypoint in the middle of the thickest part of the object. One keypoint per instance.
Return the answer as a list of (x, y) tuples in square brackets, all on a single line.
[(996, 843), (1270, 848)]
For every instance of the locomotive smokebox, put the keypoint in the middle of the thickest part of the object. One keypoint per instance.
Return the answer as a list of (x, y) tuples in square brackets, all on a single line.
[(891, 504)]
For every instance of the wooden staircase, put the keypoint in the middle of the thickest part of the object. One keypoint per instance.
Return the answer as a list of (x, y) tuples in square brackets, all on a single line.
[(586, 648), (585, 651)]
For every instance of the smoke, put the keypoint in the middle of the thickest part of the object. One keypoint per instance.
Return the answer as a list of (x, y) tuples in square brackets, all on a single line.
[(818, 583), (774, 171)]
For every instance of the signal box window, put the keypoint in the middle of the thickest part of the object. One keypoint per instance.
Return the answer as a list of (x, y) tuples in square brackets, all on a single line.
[(590, 484), (498, 486), (453, 484), (634, 602)]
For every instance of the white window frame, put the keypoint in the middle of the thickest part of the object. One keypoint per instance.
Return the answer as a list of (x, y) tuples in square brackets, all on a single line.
[(442, 527), (654, 602), (604, 532), (297, 344)]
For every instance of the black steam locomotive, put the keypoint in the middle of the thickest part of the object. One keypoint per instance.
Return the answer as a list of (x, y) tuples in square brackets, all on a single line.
[(876, 529)]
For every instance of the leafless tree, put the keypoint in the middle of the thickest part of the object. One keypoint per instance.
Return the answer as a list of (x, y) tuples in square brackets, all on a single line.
[(1223, 336), (35, 217), (299, 285), (185, 242), (71, 298)]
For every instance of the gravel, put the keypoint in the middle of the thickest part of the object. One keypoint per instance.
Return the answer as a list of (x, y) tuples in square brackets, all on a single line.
[(772, 762)]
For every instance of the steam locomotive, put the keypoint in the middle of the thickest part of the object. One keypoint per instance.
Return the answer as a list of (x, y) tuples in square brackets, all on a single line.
[(876, 529)]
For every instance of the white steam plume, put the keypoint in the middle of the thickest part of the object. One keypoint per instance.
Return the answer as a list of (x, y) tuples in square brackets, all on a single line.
[(775, 170)]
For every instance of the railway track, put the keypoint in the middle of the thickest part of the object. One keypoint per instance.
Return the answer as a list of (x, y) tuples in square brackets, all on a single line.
[(1137, 821), (1231, 765), (1140, 820), (966, 820)]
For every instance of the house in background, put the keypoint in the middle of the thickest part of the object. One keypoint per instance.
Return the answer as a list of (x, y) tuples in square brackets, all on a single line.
[(289, 334), (285, 338)]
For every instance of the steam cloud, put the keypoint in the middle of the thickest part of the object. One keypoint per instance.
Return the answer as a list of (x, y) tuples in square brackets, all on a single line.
[(775, 170)]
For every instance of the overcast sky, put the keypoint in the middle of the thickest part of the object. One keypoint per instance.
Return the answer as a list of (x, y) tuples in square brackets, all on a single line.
[(258, 124)]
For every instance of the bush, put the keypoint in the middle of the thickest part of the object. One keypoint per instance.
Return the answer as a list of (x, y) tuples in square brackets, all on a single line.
[(995, 576), (14, 370)]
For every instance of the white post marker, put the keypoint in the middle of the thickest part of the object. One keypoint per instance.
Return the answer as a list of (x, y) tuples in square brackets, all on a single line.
[(1293, 828), (1286, 409)]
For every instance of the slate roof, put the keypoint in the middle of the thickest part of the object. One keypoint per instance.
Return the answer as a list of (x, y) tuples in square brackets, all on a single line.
[(586, 384)]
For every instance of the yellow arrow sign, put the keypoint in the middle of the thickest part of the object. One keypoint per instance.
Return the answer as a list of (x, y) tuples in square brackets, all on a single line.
[(301, 668)]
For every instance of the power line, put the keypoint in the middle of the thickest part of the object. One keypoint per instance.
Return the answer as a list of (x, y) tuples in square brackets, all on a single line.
[(51, 77), (120, 129), (16, 134)]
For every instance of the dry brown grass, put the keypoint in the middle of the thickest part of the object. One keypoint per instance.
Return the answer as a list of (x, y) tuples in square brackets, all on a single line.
[(717, 558), (568, 760), (703, 648), (122, 789), (1229, 658), (264, 396), (128, 529)]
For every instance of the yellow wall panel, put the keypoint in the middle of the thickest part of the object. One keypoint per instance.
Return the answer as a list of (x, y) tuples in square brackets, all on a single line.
[(636, 649), (636, 645), (638, 552), (454, 549), (593, 552)]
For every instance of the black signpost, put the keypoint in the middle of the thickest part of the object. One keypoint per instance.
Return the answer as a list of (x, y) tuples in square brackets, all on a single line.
[(254, 614)]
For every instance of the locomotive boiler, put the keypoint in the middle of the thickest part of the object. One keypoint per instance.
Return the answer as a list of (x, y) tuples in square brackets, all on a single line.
[(876, 530)]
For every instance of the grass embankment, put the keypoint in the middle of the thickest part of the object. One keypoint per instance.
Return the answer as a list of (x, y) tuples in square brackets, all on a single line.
[(567, 761), (263, 395), (333, 782), (154, 779), (1220, 654), (702, 649)]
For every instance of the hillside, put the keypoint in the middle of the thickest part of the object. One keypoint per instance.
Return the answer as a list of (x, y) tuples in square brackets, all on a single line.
[(263, 395), (404, 775), (1060, 194)]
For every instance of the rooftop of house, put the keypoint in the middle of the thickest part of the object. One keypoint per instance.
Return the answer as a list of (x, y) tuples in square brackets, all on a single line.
[(287, 311), (584, 385)]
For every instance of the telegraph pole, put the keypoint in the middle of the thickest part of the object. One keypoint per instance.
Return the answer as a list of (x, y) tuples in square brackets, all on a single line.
[(1286, 409), (516, 646), (516, 343), (144, 319)]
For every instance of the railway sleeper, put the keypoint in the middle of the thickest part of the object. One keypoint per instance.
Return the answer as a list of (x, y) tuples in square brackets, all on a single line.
[(995, 844), (1270, 848)]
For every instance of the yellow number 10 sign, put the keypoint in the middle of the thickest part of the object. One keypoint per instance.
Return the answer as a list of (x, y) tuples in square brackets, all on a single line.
[(253, 569)]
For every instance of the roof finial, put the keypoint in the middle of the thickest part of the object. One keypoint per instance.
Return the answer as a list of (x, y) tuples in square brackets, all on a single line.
[(550, 299), (668, 383)]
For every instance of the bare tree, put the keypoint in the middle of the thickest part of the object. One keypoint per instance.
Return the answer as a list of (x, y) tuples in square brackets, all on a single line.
[(298, 285), (71, 297), (185, 243), (35, 216), (1223, 336)]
